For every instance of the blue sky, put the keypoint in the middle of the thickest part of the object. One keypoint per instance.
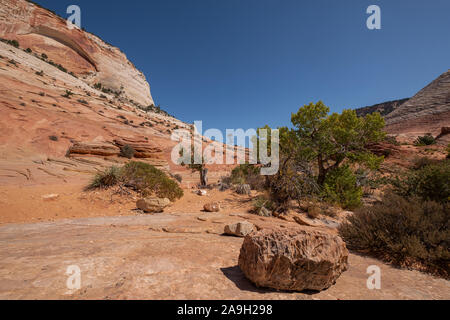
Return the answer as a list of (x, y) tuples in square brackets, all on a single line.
[(247, 63)]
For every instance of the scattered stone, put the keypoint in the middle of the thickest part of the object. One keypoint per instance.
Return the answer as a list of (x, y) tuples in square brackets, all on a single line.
[(202, 193), (212, 207), (240, 229), (244, 189), (293, 259), (153, 204), (202, 219), (305, 221), (50, 197)]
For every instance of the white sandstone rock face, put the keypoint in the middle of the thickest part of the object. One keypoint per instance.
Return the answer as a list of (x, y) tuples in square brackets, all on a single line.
[(293, 259), (240, 229), (80, 52)]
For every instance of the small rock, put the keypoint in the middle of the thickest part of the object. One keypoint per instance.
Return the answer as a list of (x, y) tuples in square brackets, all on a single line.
[(153, 204), (212, 207), (202, 193), (50, 197), (240, 229), (305, 221)]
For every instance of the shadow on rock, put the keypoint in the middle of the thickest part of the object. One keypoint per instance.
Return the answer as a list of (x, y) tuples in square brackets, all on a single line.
[(236, 275)]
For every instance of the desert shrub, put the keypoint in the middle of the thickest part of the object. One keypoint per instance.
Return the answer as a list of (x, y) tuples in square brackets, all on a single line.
[(421, 162), (392, 140), (40, 73), (248, 174), (263, 202), (178, 177), (431, 182), (244, 189), (127, 151), (13, 43), (44, 56), (341, 188), (108, 178), (142, 177), (28, 50), (403, 230), (426, 140), (82, 101), (293, 182), (53, 138), (68, 94), (148, 180), (448, 151)]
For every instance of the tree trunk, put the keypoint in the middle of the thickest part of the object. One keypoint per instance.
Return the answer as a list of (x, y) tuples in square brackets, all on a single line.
[(204, 177), (322, 172)]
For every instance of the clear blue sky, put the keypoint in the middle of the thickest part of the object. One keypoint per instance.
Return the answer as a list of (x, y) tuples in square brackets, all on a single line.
[(247, 63)]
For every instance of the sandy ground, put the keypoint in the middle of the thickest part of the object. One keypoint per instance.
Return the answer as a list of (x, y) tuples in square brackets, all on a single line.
[(165, 256), (26, 204)]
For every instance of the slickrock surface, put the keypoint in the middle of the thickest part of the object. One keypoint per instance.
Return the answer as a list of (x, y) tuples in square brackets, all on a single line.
[(164, 257), (78, 51)]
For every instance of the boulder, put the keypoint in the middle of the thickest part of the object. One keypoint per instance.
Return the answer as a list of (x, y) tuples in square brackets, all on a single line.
[(293, 259), (153, 204), (240, 229), (212, 207)]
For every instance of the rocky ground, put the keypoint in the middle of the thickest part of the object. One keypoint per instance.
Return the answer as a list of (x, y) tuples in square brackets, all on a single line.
[(166, 256)]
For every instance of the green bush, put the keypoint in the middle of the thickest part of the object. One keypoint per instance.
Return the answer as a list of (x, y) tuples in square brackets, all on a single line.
[(248, 174), (405, 231), (148, 180), (426, 140), (127, 151), (13, 43), (341, 188), (421, 162), (263, 202), (430, 182), (141, 177)]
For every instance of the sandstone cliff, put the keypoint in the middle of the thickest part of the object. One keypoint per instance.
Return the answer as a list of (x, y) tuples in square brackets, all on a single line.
[(427, 112), (384, 108), (80, 52)]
